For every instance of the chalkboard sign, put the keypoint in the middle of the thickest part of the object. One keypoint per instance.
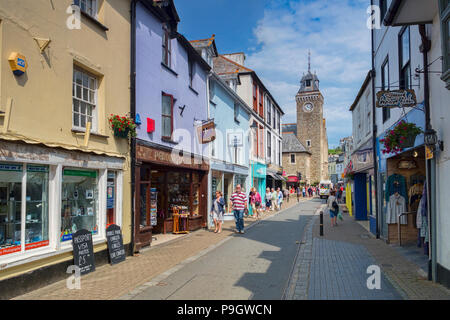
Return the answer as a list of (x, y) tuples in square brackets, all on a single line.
[(83, 251), (115, 244)]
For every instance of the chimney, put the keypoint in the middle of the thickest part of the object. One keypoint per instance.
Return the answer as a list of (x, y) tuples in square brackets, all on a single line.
[(238, 57)]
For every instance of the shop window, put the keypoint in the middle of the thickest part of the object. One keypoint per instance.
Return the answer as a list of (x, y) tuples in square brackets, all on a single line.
[(144, 205), (111, 201), (179, 189), (84, 99), (12, 207), (167, 116), (79, 209), (87, 6)]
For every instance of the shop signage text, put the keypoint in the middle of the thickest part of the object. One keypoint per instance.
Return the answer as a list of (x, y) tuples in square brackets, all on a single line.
[(115, 244), (206, 132), (396, 99), (83, 251)]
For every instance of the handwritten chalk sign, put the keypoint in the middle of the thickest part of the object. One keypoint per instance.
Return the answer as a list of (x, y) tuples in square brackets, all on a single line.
[(83, 251), (115, 244)]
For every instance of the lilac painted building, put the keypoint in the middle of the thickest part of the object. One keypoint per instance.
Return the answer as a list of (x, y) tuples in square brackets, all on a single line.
[(171, 104)]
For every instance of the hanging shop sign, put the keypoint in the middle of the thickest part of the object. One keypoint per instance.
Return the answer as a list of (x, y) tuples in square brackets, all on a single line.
[(18, 63), (115, 244), (292, 179), (83, 251), (429, 154), (206, 132), (396, 99)]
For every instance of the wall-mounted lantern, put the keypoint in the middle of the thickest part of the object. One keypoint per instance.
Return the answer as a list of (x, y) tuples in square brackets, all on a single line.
[(18, 63)]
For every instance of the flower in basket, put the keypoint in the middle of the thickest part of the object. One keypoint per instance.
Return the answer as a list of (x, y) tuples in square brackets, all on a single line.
[(122, 126), (401, 137)]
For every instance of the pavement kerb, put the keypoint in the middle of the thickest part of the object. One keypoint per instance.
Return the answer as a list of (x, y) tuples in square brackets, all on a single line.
[(162, 276), (296, 270)]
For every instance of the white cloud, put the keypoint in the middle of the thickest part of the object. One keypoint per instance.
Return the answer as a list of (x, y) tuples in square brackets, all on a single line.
[(336, 33)]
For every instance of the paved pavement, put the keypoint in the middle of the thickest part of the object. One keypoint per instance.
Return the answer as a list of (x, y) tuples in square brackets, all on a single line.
[(335, 267), (112, 282), (255, 265)]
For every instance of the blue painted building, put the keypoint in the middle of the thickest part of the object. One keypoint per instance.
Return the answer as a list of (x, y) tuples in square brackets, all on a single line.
[(229, 155), (170, 93)]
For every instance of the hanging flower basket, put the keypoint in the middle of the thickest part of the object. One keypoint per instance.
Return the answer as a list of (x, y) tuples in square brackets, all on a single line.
[(403, 136), (122, 126)]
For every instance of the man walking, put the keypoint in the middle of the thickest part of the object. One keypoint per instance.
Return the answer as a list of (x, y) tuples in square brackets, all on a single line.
[(238, 201)]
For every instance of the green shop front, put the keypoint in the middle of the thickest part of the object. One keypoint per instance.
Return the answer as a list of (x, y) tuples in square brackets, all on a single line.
[(258, 179)]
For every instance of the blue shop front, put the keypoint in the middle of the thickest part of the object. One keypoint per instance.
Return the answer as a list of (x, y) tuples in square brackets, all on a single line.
[(402, 180), (258, 178)]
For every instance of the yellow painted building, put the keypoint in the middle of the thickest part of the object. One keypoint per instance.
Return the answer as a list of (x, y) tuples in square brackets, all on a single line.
[(61, 65)]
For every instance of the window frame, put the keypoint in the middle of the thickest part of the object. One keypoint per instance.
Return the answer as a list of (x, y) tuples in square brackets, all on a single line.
[(94, 104), (166, 116), (269, 146), (386, 112), (166, 47), (444, 15), (269, 113), (94, 7), (295, 160), (261, 102), (404, 66), (255, 97), (383, 9), (191, 67)]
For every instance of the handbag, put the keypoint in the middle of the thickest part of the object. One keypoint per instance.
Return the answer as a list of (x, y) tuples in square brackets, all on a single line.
[(340, 216)]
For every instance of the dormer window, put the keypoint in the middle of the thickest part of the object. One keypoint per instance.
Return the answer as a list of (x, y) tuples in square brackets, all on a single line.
[(308, 83)]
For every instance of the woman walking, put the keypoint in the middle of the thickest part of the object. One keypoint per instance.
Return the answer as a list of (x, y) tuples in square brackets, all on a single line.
[(268, 200), (255, 202), (280, 198), (217, 210), (333, 208)]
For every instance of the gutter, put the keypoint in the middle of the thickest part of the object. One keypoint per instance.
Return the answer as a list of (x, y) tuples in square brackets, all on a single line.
[(392, 12), (374, 135)]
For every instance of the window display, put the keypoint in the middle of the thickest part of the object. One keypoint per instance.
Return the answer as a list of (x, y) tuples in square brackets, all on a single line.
[(79, 209), (36, 215), (179, 188), (36, 227), (111, 188), (10, 208)]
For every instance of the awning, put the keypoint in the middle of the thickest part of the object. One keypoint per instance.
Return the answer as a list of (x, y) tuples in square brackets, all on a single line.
[(275, 176)]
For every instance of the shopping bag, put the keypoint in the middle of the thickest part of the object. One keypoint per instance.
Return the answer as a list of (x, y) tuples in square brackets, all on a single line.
[(340, 216)]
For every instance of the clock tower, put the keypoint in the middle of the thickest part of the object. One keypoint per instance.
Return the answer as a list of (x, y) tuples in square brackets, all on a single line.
[(311, 126)]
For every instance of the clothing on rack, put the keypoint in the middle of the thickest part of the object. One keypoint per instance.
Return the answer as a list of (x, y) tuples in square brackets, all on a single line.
[(417, 178), (396, 206), (415, 195), (396, 183)]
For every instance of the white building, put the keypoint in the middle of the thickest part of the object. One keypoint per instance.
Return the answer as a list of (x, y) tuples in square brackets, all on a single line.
[(400, 63)]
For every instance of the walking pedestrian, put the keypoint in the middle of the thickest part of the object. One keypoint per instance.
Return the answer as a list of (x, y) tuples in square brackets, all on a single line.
[(255, 203), (280, 198), (268, 200), (304, 192), (250, 199), (274, 199), (217, 211), (238, 201), (286, 195), (333, 207), (298, 191)]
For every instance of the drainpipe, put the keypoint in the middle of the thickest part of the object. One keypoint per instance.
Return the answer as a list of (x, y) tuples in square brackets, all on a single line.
[(133, 116), (374, 136), (430, 164)]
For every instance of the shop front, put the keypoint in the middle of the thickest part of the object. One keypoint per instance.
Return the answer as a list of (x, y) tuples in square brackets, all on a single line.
[(274, 179), (224, 178), (166, 189), (364, 190), (48, 194), (403, 177), (258, 179)]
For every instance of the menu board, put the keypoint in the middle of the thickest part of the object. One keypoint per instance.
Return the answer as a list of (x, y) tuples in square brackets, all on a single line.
[(83, 251), (115, 244)]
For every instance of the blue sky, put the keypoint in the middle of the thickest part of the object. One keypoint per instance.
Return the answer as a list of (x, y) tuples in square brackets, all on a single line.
[(276, 36)]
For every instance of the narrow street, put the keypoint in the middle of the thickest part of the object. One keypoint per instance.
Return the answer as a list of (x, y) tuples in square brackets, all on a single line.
[(255, 265)]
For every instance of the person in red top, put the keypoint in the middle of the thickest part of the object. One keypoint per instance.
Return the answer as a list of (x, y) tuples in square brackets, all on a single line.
[(255, 202), (238, 202)]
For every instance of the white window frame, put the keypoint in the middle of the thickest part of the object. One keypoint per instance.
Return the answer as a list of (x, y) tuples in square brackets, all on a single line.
[(290, 158), (94, 7), (94, 115)]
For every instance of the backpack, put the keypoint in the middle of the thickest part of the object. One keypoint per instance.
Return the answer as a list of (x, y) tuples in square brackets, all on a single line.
[(335, 206)]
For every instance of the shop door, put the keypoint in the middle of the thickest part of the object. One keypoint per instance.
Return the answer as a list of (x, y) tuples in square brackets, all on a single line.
[(225, 190)]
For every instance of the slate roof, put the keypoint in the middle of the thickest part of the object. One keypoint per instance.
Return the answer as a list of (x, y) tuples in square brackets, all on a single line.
[(205, 43), (314, 81), (292, 144), (223, 65)]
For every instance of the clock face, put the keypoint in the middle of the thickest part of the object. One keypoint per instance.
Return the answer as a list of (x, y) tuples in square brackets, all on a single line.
[(308, 107)]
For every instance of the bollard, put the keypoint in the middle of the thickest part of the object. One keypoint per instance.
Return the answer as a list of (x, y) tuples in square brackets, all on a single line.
[(321, 223)]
